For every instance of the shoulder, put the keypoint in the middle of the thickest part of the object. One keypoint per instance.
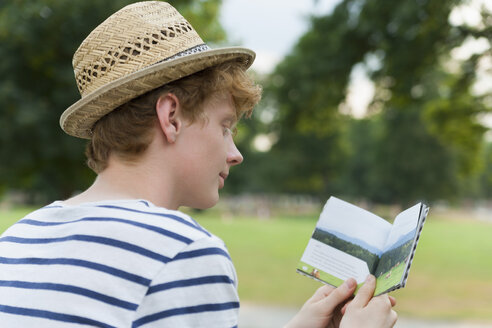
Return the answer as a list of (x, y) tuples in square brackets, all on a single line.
[(136, 227), (136, 216), (197, 288)]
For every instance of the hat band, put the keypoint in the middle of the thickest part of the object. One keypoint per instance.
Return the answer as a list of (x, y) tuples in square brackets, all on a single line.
[(193, 50)]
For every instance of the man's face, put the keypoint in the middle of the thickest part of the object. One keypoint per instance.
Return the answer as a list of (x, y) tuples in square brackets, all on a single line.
[(207, 151)]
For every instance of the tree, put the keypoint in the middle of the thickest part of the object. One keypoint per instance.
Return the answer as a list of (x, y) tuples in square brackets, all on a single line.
[(484, 182), (37, 42), (428, 137)]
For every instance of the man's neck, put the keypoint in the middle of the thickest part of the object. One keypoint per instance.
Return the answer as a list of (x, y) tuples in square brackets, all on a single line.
[(128, 181)]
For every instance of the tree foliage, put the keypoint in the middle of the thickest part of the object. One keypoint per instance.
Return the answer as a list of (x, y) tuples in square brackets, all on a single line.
[(347, 247), (422, 139), (37, 42), (394, 257)]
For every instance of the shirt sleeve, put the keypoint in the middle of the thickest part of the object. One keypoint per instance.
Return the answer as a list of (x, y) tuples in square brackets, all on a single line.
[(198, 288)]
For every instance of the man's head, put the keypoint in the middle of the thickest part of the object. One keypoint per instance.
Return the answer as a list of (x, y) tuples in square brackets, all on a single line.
[(158, 106), (127, 131)]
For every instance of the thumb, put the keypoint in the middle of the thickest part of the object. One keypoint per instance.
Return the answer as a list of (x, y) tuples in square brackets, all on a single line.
[(365, 293), (392, 300), (339, 295), (344, 308)]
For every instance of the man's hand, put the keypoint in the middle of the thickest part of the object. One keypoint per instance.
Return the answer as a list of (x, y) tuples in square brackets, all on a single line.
[(323, 308), (368, 311), (330, 307)]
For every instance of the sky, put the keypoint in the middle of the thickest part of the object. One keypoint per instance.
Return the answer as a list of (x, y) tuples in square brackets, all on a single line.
[(269, 27), (353, 221)]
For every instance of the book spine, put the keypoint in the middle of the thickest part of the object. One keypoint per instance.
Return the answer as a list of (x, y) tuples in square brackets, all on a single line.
[(423, 215)]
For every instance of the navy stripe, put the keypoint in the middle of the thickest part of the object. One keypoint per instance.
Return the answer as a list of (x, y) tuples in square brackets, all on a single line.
[(169, 216), (185, 310), (80, 263), (201, 252), (53, 316), (104, 219), (144, 202), (91, 239), (190, 282), (72, 290)]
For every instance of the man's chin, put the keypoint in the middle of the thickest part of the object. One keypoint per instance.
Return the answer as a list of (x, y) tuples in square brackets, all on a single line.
[(205, 203)]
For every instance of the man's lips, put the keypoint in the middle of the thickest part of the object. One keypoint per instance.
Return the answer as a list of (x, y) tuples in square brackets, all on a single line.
[(223, 177)]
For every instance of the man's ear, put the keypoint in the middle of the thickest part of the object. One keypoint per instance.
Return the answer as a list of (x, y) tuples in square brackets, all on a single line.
[(168, 113)]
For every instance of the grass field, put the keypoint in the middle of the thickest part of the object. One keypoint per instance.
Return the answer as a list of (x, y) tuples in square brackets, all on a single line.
[(451, 275)]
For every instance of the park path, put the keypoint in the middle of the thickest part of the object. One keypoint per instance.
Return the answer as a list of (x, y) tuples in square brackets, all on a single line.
[(255, 316)]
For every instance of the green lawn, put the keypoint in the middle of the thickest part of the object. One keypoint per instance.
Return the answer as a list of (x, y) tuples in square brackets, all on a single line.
[(9, 217), (451, 275)]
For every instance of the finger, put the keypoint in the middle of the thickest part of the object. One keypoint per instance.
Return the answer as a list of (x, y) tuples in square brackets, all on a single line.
[(383, 299), (321, 293), (340, 294), (392, 300), (344, 308), (365, 293), (393, 318)]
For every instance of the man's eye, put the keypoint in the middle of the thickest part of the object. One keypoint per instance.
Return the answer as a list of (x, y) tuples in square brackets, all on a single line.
[(230, 131)]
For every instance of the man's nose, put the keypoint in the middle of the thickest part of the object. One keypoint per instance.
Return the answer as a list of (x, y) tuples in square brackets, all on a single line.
[(234, 156)]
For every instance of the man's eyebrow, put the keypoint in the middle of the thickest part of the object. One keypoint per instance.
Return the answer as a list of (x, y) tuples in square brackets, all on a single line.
[(231, 118)]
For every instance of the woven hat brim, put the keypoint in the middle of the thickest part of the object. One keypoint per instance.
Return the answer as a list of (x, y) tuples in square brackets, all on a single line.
[(78, 119)]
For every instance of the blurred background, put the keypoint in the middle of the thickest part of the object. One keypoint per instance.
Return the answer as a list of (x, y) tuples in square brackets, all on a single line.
[(380, 103)]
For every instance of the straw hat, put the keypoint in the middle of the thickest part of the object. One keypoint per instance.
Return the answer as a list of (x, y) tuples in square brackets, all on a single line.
[(139, 48)]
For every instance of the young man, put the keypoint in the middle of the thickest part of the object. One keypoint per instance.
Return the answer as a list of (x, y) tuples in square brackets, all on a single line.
[(159, 108)]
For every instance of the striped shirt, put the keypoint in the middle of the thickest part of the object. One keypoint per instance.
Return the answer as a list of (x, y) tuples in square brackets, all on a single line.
[(123, 263)]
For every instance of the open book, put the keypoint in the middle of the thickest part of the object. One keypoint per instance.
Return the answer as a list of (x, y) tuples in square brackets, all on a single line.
[(350, 242)]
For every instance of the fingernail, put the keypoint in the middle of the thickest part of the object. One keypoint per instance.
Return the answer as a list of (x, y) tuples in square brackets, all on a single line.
[(370, 278), (350, 283)]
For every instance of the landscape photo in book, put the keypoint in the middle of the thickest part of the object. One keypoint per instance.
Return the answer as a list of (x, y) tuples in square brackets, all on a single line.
[(341, 249), (354, 247)]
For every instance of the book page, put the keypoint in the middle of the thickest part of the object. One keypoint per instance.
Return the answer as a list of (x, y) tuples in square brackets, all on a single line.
[(398, 248), (347, 242)]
